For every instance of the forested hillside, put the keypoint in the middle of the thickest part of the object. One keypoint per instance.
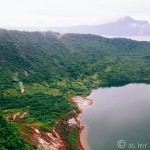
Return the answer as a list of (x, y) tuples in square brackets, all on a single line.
[(50, 56), (41, 71)]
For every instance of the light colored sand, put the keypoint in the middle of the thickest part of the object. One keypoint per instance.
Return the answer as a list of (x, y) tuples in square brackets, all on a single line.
[(82, 104)]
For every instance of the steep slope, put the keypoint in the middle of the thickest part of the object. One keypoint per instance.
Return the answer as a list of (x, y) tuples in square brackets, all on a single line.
[(47, 56), (9, 137), (40, 72)]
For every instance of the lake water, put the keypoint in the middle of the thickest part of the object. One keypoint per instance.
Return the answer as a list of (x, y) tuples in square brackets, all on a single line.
[(137, 38), (119, 113)]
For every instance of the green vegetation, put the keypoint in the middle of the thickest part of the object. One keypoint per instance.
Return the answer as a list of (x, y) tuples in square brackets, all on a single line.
[(73, 139), (53, 68), (9, 137), (42, 107)]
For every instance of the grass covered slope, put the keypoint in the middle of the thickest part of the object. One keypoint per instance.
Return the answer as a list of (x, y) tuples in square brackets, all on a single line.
[(41, 71)]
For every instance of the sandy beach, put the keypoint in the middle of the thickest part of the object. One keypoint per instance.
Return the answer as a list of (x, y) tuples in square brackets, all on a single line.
[(82, 103)]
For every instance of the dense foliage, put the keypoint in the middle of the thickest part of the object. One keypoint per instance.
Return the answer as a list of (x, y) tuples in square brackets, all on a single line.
[(43, 107), (9, 137), (51, 57), (52, 67)]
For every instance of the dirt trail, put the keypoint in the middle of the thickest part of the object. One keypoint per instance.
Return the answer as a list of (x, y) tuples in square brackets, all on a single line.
[(22, 116), (7, 118), (15, 116), (41, 139)]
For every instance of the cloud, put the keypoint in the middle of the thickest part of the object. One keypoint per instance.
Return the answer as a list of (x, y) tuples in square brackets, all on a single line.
[(69, 12)]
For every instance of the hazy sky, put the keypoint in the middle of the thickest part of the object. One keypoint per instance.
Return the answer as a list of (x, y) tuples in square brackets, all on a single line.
[(44, 13)]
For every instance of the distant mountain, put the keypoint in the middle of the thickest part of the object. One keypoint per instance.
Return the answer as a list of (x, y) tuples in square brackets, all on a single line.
[(125, 26)]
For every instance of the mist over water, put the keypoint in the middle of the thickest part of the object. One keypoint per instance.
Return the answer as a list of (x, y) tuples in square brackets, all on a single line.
[(137, 38), (119, 113)]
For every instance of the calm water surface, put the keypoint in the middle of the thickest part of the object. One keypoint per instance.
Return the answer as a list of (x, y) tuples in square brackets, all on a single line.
[(119, 113), (137, 38)]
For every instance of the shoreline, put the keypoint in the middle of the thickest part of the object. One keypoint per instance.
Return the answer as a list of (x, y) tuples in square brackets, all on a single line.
[(83, 137), (82, 103)]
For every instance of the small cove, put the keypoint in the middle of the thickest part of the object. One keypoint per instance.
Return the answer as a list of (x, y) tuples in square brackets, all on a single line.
[(119, 113)]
